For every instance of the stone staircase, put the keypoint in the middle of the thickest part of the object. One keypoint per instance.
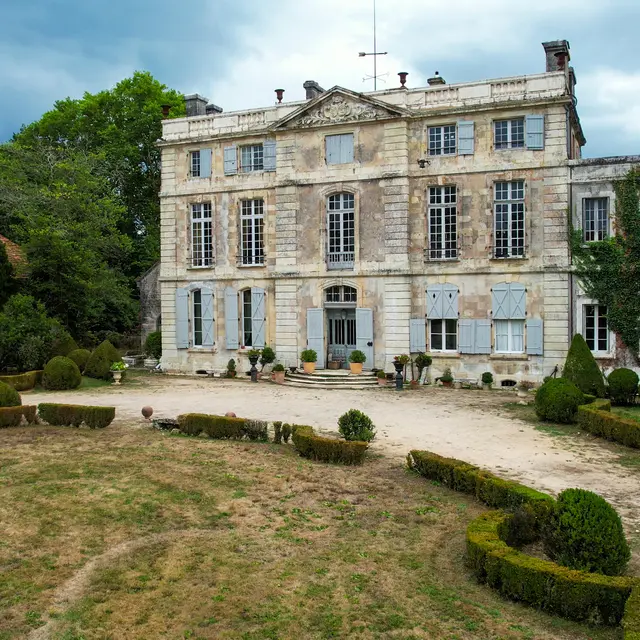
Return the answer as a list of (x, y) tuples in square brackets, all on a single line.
[(327, 379)]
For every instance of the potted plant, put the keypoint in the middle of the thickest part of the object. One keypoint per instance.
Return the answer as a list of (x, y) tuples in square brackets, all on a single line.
[(356, 360), (117, 369), (309, 358), (382, 378), (447, 378), (268, 356), (333, 364), (278, 374), (231, 368), (487, 380), (422, 361), (524, 386)]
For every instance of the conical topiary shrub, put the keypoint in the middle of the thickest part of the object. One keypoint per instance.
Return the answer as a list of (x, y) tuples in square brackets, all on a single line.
[(582, 369), (99, 364)]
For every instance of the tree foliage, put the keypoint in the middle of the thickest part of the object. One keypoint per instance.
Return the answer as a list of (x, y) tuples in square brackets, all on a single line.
[(7, 276), (609, 270)]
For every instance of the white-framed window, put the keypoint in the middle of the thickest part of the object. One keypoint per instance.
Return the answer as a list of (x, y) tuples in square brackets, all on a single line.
[(246, 325), (509, 237), (595, 218), (252, 222), (251, 158), (509, 134), (201, 235), (596, 327), (443, 335), (341, 231), (509, 336), (442, 140), (339, 148), (196, 318), (341, 294), (442, 223), (194, 159)]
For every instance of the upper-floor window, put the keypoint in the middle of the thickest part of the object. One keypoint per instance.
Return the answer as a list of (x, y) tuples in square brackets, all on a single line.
[(341, 294), (252, 158), (195, 164), (596, 327), (200, 163), (595, 218), (252, 222), (509, 134), (442, 140), (201, 235), (509, 219), (339, 148), (442, 223), (341, 231)]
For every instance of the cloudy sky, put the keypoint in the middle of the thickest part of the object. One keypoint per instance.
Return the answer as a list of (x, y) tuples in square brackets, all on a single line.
[(236, 52)]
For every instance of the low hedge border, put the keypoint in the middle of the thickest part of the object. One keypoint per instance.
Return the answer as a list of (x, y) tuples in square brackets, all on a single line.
[(577, 595), (65, 415), (309, 445), (597, 419), (12, 416), (23, 381), (631, 620), (222, 427)]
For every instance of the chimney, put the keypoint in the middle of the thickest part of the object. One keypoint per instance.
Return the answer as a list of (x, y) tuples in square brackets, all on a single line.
[(196, 105), (212, 109), (557, 52), (313, 89), (436, 80)]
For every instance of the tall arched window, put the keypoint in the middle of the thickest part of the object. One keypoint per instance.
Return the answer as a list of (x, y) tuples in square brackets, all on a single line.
[(340, 231)]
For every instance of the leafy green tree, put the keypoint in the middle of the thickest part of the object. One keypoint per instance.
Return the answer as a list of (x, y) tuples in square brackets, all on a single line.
[(7, 279)]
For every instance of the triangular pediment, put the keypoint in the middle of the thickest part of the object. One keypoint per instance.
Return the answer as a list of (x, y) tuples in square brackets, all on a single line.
[(339, 105)]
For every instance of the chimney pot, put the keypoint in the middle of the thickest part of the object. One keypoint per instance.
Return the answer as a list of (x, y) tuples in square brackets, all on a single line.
[(212, 109), (557, 52), (279, 95), (403, 79), (313, 89), (196, 105), (436, 80)]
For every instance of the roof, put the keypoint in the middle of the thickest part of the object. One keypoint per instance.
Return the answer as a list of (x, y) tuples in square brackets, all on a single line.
[(14, 252)]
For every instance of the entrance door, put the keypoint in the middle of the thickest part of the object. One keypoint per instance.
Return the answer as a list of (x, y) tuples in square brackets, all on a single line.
[(342, 334)]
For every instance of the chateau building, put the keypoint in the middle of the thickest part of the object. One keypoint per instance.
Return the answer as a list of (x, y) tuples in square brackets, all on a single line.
[(409, 220)]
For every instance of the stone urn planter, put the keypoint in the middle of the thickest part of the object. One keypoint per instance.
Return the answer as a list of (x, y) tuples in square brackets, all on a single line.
[(117, 377), (522, 393), (151, 363)]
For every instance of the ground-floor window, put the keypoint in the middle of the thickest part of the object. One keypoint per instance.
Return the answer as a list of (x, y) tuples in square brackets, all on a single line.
[(509, 336), (196, 297), (443, 335), (247, 326), (596, 327)]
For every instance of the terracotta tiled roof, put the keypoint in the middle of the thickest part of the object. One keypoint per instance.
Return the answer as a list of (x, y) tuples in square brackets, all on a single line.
[(14, 252)]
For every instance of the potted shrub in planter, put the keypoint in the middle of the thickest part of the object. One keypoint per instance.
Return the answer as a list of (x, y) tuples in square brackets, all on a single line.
[(382, 378), (356, 360), (231, 368), (447, 378), (278, 374), (487, 380), (309, 358), (422, 361), (268, 356), (524, 386), (117, 371)]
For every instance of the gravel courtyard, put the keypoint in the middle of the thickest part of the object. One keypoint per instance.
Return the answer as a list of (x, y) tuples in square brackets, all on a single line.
[(470, 425)]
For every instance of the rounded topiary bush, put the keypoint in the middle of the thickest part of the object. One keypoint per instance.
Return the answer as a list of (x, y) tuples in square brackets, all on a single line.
[(585, 532), (623, 386), (356, 426), (9, 397), (80, 357), (61, 373), (557, 400), (99, 364)]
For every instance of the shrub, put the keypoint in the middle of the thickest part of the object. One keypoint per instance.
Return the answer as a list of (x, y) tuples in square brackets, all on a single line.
[(357, 357), (267, 356), (256, 430), (9, 397), (63, 345), (487, 377), (623, 386), (557, 400), (309, 445), (309, 355), (287, 430), (22, 381), (584, 532), (356, 426), (80, 357), (597, 420), (60, 374), (153, 345), (381, 375), (279, 367), (277, 432), (447, 376), (422, 361), (218, 427), (29, 412), (99, 364), (10, 416), (582, 369), (64, 415), (631, 620)]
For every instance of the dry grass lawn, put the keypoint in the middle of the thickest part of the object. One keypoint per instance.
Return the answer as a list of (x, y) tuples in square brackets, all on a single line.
[(129, 533)]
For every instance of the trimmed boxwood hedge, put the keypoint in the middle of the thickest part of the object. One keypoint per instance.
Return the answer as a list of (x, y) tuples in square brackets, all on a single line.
[(631, 620), (65, 415), (222, 427), (310, 445), (598, 420), (12, 416), (577, 595), (22, 381)]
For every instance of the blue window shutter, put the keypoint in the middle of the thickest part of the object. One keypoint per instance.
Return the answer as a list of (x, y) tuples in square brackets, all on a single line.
[(434, 302), (315, 334), (332, 149), (231, 317), (205, 163), (466, 137), (207, 317), (535, 338), (258, 317), (346, 148), (417, 335), (534, 128), (182, 319), (450, 302), (500, 301), (269, 155), (364, 334), (517, 301), (466, 336), (482, 336), (230, 160)]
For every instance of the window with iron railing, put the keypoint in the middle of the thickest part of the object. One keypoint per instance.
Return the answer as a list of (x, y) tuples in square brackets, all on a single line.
[(341, 231), (442, 222), (201, 235)]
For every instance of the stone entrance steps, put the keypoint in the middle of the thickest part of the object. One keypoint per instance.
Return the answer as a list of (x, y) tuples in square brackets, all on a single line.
[(326, 379)]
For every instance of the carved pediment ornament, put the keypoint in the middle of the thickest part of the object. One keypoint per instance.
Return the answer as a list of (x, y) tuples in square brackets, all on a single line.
[(339, 109)]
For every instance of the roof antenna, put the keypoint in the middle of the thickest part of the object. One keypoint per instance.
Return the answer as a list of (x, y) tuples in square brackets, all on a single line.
[(375, 53)]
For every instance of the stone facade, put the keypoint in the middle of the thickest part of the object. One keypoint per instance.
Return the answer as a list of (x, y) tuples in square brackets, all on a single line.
[(387, 176)]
